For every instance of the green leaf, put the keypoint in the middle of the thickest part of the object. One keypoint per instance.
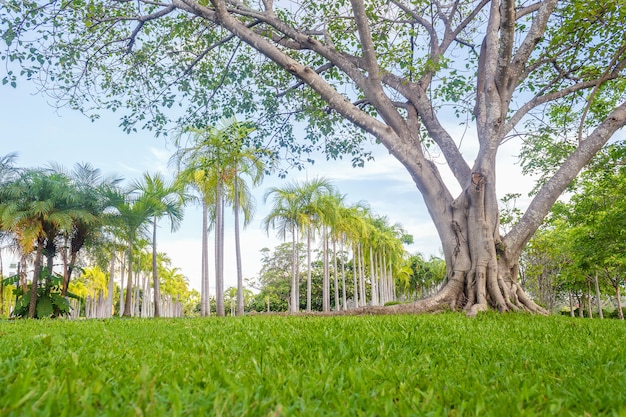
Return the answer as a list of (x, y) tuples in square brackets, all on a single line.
[(44, 307)]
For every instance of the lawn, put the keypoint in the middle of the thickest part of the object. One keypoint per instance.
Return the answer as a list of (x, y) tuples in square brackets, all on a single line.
[(435, 365)]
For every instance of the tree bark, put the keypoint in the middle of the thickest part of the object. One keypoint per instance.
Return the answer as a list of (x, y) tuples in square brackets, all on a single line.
[(620, 312), (308, 269), (111, 286), (293, 302), (129, 283), (32, 307), (240, 304), (599, 299), (336, 278), (155, 272), (219, 252), (205, 305)]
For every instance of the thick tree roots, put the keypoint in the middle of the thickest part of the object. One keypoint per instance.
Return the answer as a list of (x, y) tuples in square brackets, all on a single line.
[(459, 293)]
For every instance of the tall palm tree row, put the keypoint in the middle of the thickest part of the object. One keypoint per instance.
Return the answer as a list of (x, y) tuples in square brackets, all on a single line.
[(315, 209)]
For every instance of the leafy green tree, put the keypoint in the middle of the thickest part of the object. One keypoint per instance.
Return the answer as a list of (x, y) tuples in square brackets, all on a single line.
[(597, 215), (274, 282), (402, 73)]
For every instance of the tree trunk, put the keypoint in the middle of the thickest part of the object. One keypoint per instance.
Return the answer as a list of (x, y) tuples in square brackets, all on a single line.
[(344, 301), (599, 299), (219, 252), (240, 304), (155, 273), (373, 280), (293, 303), (362, 293), (336, 278), (111, 286), (205, 305), (32, 307), (589, 303), (482, 268), (308, 269), (355, 276), (122, 276), (620, 313), (325, 279), (129, 282)]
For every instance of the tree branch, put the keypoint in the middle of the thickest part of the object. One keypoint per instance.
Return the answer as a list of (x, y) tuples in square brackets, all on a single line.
[(539, 208)]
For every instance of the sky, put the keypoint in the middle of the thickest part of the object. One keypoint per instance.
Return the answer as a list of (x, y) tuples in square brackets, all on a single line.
[(40, 134)]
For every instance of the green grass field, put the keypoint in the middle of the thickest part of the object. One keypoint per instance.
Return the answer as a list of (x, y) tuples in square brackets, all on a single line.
[(432, 365)]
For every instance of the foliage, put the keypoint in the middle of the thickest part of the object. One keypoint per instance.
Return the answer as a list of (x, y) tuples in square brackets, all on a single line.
[(422, 276), (50, 301), (333, 366)]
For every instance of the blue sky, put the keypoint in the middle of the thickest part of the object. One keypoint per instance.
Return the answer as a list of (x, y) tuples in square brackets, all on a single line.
[(42, 134)]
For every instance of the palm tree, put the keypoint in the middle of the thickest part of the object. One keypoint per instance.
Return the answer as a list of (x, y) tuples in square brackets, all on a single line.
[(245, 161), (92, 195), (299, 207), (329, 208), (164, 198), (309, 195), (131, 216), (284, 217), (35, 207), (214, 164)]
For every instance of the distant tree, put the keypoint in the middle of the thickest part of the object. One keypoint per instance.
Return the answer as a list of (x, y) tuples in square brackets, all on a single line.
[(274, 282)]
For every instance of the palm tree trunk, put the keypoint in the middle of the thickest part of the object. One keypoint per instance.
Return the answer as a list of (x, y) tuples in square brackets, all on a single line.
[(155, 273), (219, 251), (355, 274), (240, 306), (336, 278), (122, 276), (308, 267), (293, 305), (326, 283), (362, 294), (109, 303), (373, 279), (32, 307), (343, 278), (129, 282), (205, 305)]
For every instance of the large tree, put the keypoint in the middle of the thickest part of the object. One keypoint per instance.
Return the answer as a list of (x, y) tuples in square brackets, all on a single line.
[(538, 71)]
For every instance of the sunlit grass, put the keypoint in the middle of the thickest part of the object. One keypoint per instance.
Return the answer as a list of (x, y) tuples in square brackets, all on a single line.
[(440, 365)]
